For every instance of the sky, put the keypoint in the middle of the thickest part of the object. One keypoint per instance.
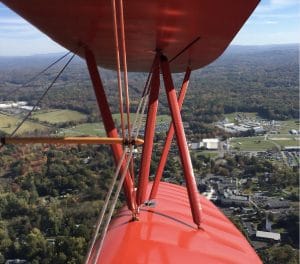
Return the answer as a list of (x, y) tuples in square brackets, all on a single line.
[(273, 22)]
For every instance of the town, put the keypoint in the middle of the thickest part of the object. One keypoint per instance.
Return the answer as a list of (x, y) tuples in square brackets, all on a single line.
[(242, 197)]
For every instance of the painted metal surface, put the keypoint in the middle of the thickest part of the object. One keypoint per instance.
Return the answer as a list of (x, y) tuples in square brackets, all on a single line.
[(167, 25), (166, 234), (145, 163), (169, 138), (109, 125), (181, 141)]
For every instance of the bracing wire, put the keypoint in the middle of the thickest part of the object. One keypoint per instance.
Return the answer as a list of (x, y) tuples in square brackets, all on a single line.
[(139, 115), (120, 89), (37, 75), (103, 209), (143, 103), (122, 25), (138, 119), (41, 98), (129, 157), (113, 205), (141, 106)]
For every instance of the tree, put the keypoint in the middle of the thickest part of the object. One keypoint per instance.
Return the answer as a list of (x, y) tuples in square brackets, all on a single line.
[(36, 245), (283, 254), (5, 241)]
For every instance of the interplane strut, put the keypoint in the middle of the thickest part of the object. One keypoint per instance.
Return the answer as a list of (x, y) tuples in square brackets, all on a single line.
[(109, 125), (169, 138)]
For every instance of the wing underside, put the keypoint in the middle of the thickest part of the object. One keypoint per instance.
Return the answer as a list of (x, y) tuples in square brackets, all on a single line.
[(168, 26)]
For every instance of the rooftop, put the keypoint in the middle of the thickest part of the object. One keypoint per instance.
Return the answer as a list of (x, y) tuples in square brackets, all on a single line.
[(269, 235)]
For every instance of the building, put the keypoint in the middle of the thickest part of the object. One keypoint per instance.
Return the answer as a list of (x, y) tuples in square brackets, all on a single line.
[(229, 199), (267, 236), (210, 143), (276, 204), (292, 148), (207, 143), (228, 125), (20, 105), (259, 130), (294, 132), (196, 145)]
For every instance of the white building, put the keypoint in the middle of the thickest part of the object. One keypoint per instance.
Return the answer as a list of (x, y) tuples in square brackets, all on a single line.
[(19, 104), (207, 143), (210, 143), (196, 145), (228, 125), (294, 132), (268, 235)]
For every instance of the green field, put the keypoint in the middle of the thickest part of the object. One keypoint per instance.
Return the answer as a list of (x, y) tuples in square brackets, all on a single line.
[(209, 154), (92, 129), (159, 119), (55, 116), (9, 123), (286, 142), (97, 129), (288, 125), (251, 144)]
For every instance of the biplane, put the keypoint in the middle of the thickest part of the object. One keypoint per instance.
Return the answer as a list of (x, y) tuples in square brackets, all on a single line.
[(161, 222)]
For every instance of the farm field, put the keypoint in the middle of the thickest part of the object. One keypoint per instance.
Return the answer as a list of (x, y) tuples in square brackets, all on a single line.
[(9, 123), (260, 144), (288, 125), (97, 129), (250, 144), (92, 129), (286, 142), (55, 116), (159, 119)]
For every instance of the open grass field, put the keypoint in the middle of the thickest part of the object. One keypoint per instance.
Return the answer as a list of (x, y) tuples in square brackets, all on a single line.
[(9, 123), (288, 125), (250, 144), (209, 154), (55, 116), (286, 142), (259, 144), (97, 129), (91, 129), (159, 119)]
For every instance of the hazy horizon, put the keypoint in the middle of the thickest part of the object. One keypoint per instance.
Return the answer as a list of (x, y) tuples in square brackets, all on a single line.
[(231, 45)]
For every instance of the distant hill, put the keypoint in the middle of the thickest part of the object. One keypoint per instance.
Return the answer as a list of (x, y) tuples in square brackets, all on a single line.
[(258, 53), (262, 79)]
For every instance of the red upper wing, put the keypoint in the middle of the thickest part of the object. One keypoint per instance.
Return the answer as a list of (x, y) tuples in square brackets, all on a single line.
[(168, 25)]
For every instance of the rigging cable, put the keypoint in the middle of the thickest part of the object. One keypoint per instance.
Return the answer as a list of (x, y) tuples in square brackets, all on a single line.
[(142, 104), (121, 14), (103, 209), (129, 157), (37, 75), (108, 196), (113, 2), (114, 202), (123, 42), (139, 115), (41, 98)]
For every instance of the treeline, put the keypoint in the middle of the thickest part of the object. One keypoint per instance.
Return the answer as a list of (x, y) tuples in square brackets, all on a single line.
[(49, 200), (245, 79)]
